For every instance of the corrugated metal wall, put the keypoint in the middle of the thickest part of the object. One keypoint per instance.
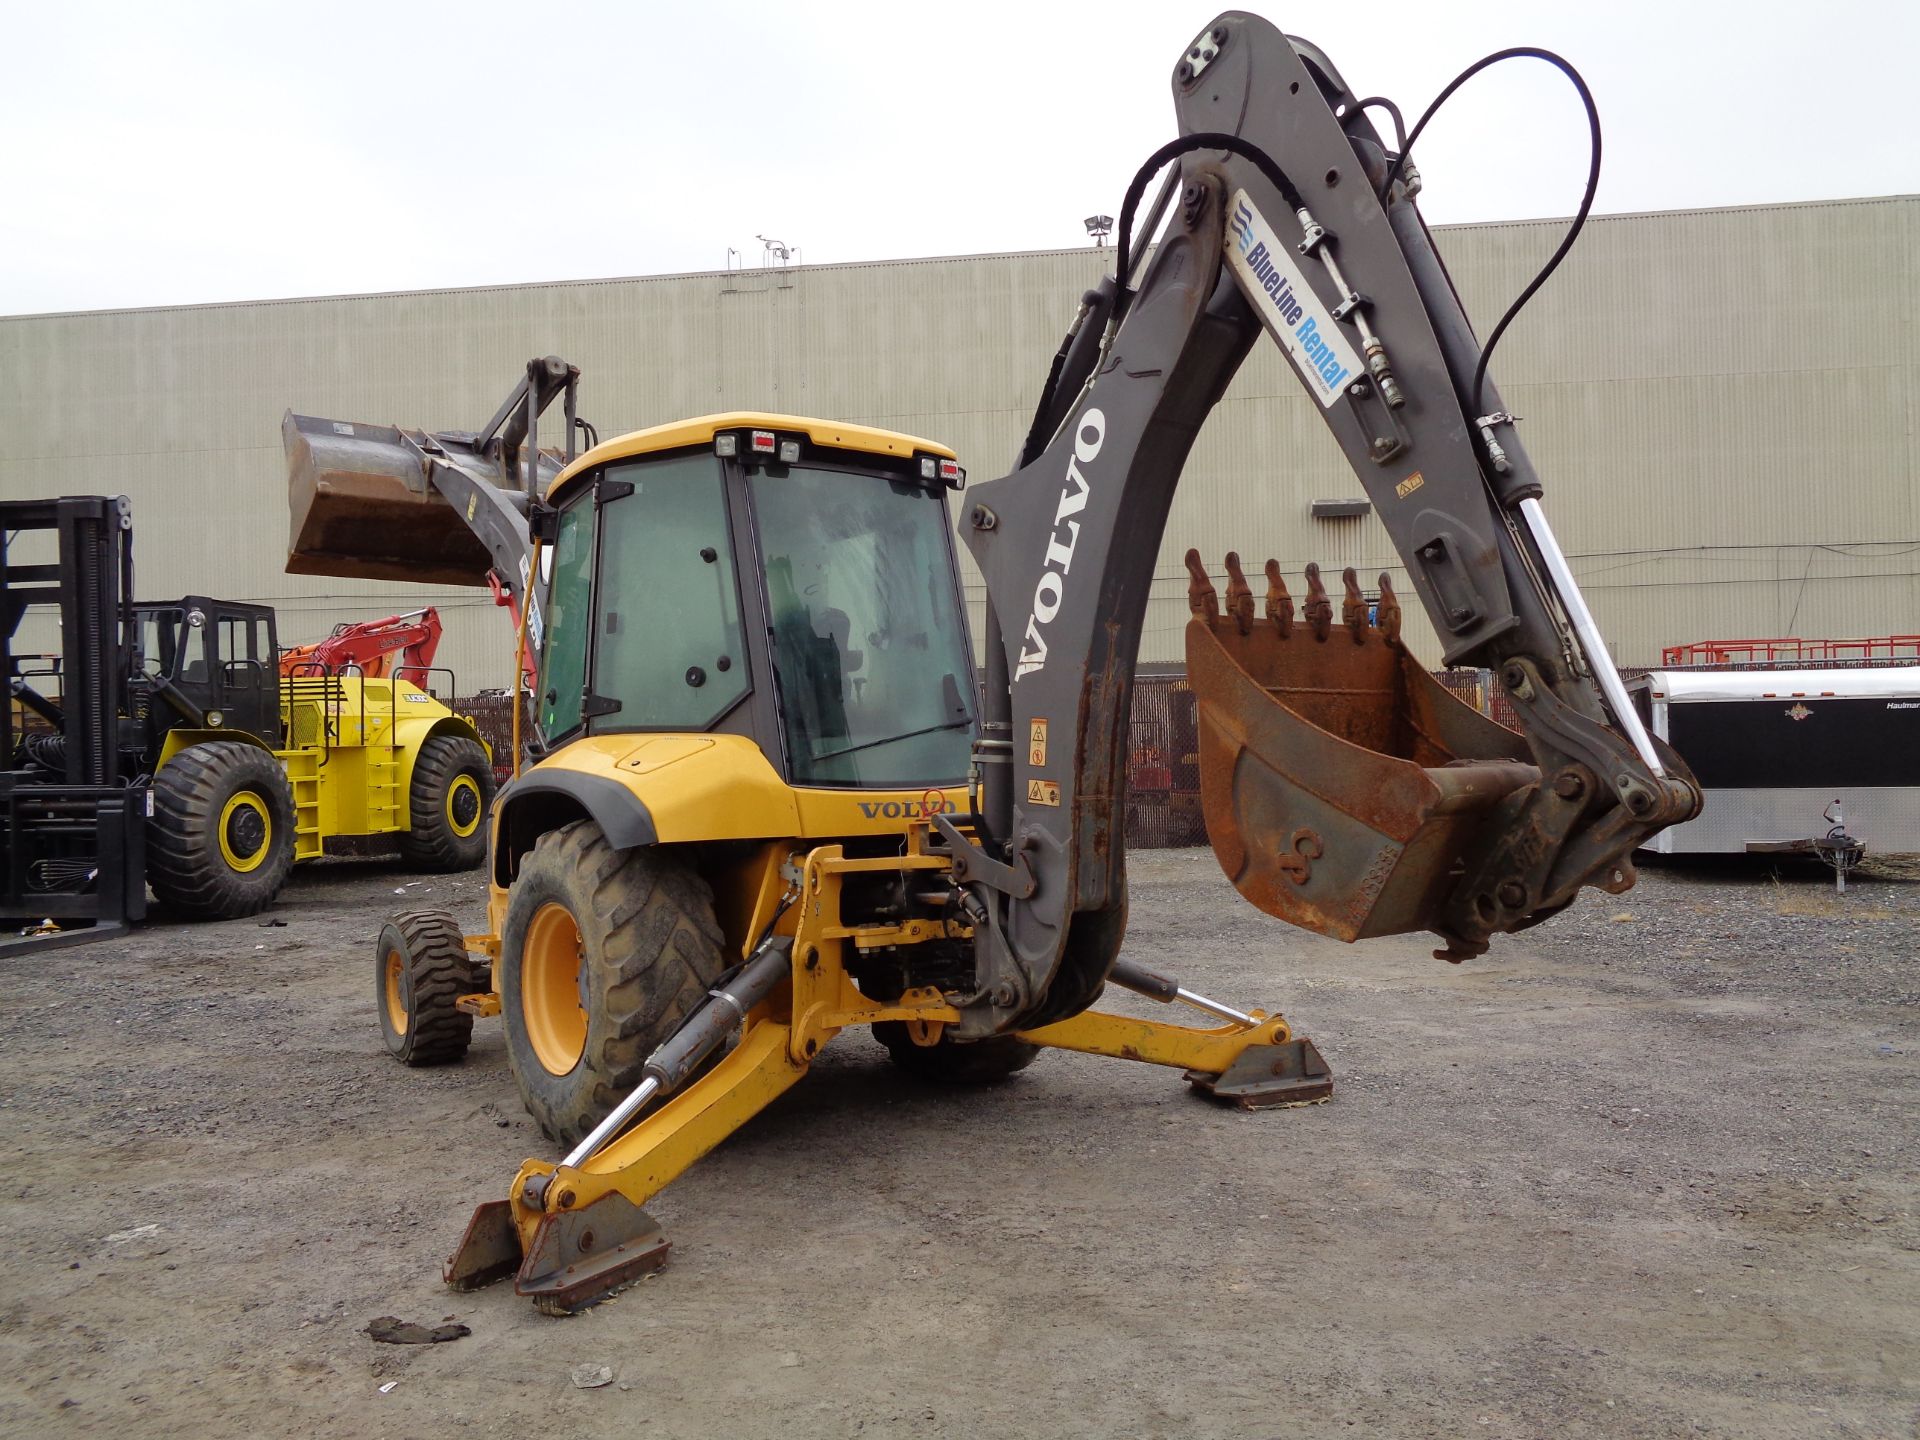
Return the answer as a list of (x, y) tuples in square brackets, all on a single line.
[(1722, 404)]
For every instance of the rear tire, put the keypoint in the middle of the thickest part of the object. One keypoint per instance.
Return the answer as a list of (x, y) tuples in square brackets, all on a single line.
[(604, 952), (982, 1062), (420, 968), (447, 805), (220, 841)]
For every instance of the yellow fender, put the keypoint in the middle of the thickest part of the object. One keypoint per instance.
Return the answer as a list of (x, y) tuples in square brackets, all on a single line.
[(183, 738), (675, 789)]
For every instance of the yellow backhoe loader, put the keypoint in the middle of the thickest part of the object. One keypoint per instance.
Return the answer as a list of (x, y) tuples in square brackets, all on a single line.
[(765, 798)]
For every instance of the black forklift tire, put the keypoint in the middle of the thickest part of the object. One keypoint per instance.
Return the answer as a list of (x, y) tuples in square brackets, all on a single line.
[(220, 839), (447, 805), (420, 968), (981, 1062), (632, 934)]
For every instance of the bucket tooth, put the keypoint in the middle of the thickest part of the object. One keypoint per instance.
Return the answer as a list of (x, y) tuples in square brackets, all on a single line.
[(1202, 599), (1353, 609), (1279, 602), (1239, 597), (1388, 622), (1318, 609)]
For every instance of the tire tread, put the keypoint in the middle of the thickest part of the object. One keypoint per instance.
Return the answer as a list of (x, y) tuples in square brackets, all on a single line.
[(661, 949), (440, 972), (428, 843), (184, 866)]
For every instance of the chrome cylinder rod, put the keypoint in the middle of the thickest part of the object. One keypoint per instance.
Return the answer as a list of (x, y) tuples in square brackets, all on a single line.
[(1214, 1007), (1155, 986), (1588, 633), (670, 1065), (617, 1118)]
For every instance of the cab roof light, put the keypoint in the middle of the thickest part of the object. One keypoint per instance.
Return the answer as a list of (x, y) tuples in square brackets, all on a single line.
[(726, 446), (789, 452), (763, 442), (944, 472)]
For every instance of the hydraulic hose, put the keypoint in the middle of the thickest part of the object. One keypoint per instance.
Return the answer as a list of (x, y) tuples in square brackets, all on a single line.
[(1518, 52), (1173, 149)]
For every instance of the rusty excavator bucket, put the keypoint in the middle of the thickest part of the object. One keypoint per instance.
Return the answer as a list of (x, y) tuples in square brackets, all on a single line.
[(1342, 784)]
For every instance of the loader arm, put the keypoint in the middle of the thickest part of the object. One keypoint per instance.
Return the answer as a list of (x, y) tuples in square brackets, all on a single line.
[(1274, 219), (381, 502)]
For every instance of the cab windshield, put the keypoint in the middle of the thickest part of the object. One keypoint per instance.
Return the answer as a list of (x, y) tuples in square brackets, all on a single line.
[(869, 648)]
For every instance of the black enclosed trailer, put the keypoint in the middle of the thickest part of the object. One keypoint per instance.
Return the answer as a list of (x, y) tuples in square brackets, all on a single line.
[(1775, 750)]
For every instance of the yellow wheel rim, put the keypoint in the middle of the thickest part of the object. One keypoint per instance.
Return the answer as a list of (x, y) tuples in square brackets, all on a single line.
[(464, 805), (395, 996), (246, 831), (550, 965)]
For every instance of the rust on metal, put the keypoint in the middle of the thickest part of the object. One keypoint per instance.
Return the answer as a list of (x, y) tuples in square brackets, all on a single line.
[(362, 506), (1387, 612), (1239, 596), (488, 1251), (580, 1256), (1279, 602), (1268, 1076), (1202, 599), (1318, 611), (1296, 862), (1342, 785)]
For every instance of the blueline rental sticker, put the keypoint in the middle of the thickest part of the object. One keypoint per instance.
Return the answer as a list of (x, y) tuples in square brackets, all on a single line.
[(1310, 336)]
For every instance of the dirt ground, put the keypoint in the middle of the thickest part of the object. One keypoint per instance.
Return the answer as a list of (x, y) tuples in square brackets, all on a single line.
[(1647, 1170)]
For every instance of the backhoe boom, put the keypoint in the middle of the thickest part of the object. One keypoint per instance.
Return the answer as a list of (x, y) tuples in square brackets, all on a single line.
[(1276, 222)]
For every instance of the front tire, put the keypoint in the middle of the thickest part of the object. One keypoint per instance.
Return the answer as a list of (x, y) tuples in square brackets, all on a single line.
[(604, 952), (421, 968), (220, 842), (447, 805)]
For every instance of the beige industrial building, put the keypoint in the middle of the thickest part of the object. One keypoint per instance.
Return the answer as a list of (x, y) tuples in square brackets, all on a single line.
[(1722, 403)]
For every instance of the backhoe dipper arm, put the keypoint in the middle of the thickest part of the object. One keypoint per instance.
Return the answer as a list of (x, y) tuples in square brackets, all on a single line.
[(1275, 221)]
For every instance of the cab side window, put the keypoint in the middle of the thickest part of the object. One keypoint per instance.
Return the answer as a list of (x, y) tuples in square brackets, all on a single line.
[(563, 665), (670, 651)]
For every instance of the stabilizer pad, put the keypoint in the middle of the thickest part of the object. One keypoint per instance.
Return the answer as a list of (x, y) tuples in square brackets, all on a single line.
[(1266, 1076), (580, 1256), (489, 1251)]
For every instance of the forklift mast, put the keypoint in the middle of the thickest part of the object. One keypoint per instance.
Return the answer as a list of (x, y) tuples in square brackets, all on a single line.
[(73, 807), (91, 583)]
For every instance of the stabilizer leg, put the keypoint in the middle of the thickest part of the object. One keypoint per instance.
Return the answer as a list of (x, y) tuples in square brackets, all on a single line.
[(1254, 1061)]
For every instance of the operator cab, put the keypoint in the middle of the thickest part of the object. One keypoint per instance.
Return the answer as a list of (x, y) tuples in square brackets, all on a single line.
[(788, 580), (208, 664)]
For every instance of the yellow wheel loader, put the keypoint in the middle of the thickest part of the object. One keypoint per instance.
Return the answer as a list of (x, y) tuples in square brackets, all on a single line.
[(765, 799), (255, 770)]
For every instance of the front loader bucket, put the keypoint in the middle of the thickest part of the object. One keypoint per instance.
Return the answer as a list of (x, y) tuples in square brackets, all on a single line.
[(1342, 784), (363, 507)]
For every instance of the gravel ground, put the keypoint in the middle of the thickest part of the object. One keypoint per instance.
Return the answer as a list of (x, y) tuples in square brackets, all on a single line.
[(1647, 1170)]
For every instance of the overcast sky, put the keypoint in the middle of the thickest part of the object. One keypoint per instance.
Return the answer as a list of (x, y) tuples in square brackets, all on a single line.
[(172, 153)]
